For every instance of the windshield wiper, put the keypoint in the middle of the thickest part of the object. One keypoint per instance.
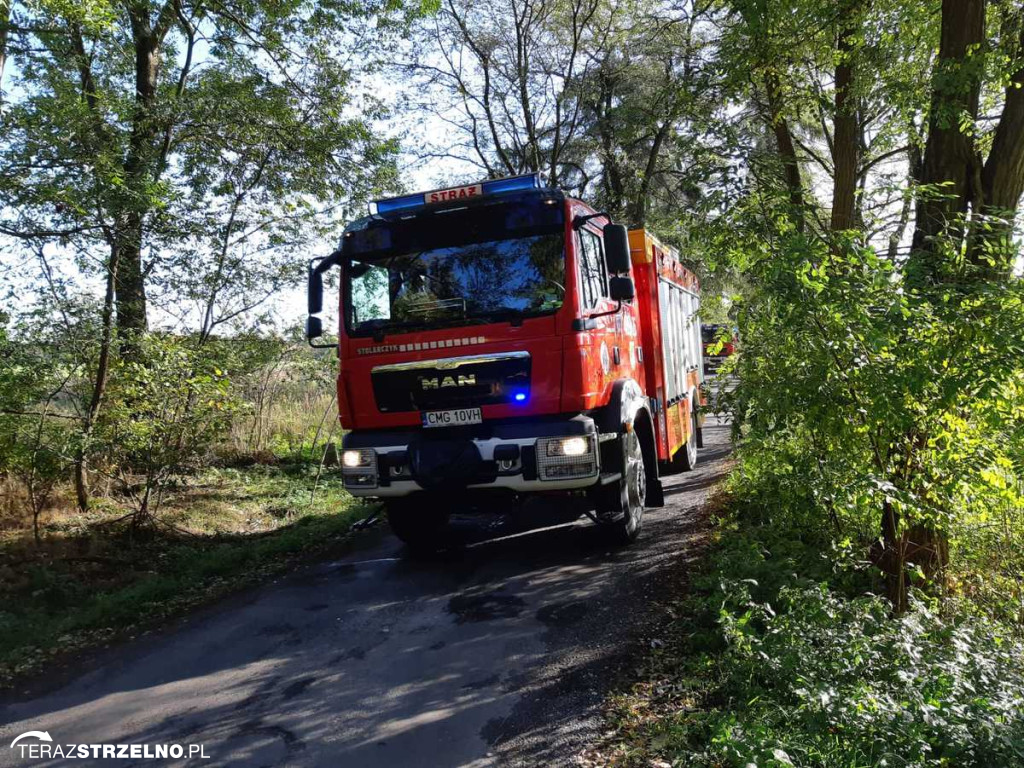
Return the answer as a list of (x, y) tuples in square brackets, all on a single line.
[(437, 305), (381, 327)]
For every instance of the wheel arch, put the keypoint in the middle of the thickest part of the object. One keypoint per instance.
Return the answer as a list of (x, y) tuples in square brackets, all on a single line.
[(629, 408), (626, 400)]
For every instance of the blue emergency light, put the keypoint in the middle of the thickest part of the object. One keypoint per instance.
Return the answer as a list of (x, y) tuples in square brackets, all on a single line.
[(396, 204), (455, 194)]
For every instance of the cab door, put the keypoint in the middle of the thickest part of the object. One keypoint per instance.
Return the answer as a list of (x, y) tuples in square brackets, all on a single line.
[(619, 349)]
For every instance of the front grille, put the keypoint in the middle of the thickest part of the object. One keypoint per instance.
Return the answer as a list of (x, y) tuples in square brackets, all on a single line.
[(453, 382), (441, 463)]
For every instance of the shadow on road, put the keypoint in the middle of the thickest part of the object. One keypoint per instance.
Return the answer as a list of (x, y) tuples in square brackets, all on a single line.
[(498, 651)]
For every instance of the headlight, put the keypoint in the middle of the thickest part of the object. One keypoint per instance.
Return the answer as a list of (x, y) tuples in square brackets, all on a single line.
[(568, 446), (359, 468), (355, 459), (564, 458)]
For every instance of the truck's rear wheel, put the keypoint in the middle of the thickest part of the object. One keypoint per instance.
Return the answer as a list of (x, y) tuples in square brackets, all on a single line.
[(621, 504), (421, 524)]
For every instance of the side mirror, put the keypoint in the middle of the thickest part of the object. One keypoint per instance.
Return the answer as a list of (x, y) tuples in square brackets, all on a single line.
[(314, 328), (315, 289), (315, 297), (621, 289), (616, 249)]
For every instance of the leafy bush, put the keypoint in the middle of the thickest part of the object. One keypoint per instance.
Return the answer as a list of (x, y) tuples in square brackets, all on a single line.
[(166, 406), (177, 403), (868, 407), (36, 434), (835, 681), (784, 659), (864, 399)]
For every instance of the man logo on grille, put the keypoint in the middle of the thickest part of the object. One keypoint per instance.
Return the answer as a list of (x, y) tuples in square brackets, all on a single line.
[(466, 380)]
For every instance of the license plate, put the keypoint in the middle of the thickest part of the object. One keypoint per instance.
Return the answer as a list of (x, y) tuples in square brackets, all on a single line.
[(454, 418)]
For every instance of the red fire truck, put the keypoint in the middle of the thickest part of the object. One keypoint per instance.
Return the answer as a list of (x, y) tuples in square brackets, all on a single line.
[(502, 339), (720, 342)]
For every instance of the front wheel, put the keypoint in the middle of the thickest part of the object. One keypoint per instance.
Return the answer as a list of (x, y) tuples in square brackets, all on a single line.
[(421, 524), (621, 505)]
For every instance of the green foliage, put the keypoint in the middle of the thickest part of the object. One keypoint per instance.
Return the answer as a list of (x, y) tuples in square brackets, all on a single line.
[(861, 390), (165, 407), (234, 150), (856, 391), (37, 438), (287, 390), (782, 659), (839, 682)]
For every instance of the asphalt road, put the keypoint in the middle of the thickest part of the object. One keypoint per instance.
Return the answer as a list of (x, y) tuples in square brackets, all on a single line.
[(499, 654)]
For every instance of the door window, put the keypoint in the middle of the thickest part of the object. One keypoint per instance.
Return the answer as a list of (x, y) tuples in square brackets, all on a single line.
[(593, 278)]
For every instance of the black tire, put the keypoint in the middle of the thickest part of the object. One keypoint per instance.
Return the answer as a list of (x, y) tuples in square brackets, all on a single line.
[(621, 505), (699, 418), (422, 525)]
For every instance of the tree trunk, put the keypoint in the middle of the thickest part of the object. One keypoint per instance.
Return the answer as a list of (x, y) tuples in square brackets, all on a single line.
[(131, 278), (787, 150), (130, 285), (928, 548), (82, 494), (615, 187), (1003, 178), (894, 559), (100, 383), (913, 174), (952, 164), (846, 129), (950, 157), (637, 216)]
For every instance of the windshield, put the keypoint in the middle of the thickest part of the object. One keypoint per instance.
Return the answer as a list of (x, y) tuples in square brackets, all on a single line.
[(710, 333), (466, 270)]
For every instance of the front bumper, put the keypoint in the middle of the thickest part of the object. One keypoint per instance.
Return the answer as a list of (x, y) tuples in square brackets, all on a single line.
[(713, 362), (511, 456)]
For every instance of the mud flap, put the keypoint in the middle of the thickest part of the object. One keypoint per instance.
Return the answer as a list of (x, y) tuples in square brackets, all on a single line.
[(655, 494)]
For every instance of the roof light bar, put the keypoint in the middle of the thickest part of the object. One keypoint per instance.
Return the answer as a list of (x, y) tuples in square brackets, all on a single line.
[(453, 194), (513, 184), (396, 204)]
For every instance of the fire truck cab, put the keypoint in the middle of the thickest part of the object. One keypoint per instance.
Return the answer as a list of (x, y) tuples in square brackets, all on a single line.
[(503, 339)]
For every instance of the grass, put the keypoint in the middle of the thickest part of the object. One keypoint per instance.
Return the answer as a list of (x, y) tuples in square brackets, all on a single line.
[(88, 584)]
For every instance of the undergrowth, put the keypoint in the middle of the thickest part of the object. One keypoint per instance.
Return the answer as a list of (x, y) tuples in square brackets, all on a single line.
[(785, 657)]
